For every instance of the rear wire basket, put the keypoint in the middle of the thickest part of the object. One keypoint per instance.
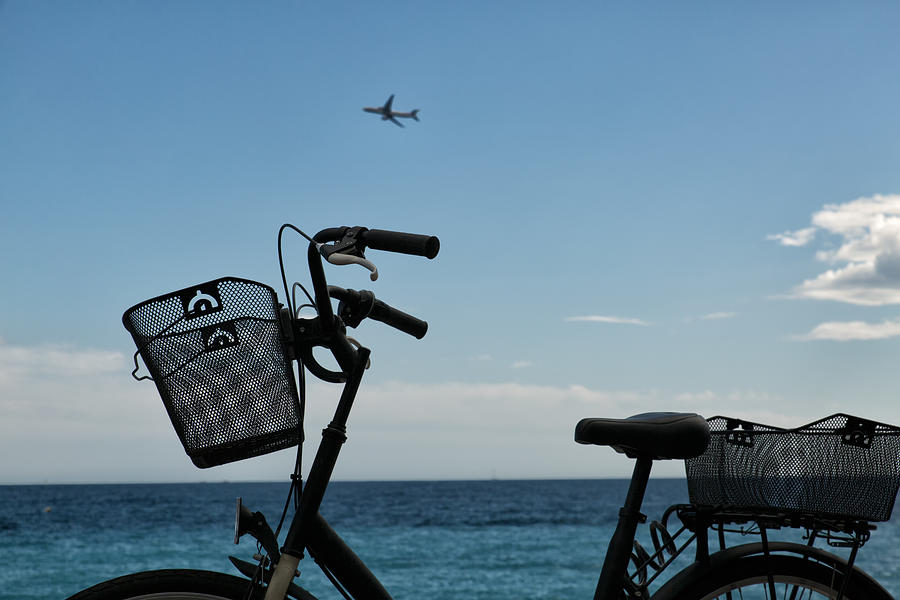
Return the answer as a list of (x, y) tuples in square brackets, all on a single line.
[(217, 355), (840, 466)]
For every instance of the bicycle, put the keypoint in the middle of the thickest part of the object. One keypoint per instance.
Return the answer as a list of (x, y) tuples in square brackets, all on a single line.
[(221, 354)]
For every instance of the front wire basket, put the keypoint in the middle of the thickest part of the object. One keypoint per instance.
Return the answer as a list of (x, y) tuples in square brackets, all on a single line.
[(840, 466), (217, 355)]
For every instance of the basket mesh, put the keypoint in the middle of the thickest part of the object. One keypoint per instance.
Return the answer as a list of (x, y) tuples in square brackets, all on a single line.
[(216, 354), (840, 466)]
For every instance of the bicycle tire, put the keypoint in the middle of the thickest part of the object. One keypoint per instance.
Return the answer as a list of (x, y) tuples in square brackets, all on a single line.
[(794, 577), (173, 584)]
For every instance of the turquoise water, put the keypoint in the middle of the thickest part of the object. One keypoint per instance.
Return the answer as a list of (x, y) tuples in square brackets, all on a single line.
[(442, 540)]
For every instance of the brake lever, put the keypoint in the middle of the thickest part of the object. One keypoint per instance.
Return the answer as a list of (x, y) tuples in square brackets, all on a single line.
[(339, 258)]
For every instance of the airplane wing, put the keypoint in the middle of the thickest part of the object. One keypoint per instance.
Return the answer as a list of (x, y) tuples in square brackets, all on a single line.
[(387, 105), (395, 121)]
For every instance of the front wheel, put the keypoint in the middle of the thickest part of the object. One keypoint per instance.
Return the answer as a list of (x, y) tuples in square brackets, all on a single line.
[(792, 577), (173, 584)]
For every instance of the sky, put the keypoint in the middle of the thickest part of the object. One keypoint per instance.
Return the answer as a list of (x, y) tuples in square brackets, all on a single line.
[(642, 207)]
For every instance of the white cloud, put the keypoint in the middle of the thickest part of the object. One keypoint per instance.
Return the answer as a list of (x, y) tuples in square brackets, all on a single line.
[(852, 330), (750, 405), (718, 315), (866, 261), (854, 218), (521, 364), (55, 359), (605, 319), (713, 316), (801, 237)]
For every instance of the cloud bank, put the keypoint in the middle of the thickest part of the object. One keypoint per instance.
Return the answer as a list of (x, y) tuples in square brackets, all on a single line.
[(864, 259), (95, 423)]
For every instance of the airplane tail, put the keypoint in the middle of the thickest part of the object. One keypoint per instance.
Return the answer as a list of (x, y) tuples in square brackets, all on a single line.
[(415, 114)]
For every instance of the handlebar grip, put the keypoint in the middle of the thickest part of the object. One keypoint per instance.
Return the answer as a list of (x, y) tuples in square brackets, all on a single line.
[(406, 243), (398, 319)]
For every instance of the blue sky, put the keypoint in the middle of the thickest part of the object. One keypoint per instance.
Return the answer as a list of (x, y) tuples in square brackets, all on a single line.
[(651, 206)]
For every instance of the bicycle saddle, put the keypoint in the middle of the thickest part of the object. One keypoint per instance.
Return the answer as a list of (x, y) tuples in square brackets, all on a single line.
[(657, 436)]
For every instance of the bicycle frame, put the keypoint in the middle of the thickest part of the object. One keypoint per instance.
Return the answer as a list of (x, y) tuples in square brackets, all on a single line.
[(309, 532)]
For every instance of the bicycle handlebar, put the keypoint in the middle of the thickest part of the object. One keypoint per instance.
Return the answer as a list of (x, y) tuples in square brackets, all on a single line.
[(332, 234), (343, 243), (358, 305)]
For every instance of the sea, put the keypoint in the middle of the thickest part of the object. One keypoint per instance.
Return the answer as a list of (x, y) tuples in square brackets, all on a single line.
[(541, 539)]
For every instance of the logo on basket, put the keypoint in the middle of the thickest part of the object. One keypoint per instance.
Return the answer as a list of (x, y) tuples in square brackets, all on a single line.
[(216, 337), (739, 433), (858, 432), (201, 300)]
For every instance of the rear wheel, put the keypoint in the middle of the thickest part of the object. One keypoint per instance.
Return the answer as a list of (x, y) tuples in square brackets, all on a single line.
[(792, 577), (173, 584)]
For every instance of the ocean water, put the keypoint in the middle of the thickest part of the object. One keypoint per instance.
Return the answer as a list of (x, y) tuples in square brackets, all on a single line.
[(441, 540)]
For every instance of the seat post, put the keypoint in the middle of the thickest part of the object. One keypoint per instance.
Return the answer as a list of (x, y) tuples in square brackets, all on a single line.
[(615, 564)]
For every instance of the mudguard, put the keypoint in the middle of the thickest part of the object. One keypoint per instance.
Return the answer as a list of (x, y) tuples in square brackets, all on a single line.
[(719, 560)]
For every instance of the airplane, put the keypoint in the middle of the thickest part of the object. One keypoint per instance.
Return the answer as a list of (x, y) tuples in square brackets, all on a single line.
[(387, 114)]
